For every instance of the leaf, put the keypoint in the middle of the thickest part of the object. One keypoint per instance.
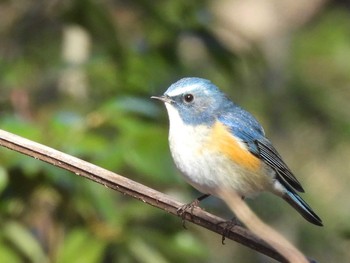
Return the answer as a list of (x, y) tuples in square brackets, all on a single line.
[(8, 255), (80, 247), (3, 178), (24, 241), (145, 253)]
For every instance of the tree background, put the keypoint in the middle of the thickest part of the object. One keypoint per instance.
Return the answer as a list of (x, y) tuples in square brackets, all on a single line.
[(78, 75)]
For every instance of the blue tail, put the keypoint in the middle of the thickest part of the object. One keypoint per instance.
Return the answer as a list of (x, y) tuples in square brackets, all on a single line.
[(302, 207)]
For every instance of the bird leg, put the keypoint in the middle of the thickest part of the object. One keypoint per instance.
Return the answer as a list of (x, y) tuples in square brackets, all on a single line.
[(228, 225), (189, 208)]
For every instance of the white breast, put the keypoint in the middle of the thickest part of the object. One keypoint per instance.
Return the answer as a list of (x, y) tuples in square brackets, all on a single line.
[(185, 143)]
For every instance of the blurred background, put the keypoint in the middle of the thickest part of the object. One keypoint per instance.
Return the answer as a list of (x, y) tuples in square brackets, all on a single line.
[(77, 75)]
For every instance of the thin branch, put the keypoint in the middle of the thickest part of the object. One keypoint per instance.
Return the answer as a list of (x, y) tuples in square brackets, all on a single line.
[(135, 190), (252, 222)]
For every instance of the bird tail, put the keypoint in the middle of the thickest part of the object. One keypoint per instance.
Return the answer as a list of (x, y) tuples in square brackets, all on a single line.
[(302, 207)]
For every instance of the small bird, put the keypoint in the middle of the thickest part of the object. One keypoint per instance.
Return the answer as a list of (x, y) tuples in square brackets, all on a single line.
[(217, 144)]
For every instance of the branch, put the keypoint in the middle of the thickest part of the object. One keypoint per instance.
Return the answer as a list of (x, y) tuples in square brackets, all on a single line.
[(252, 222), (135, 190)]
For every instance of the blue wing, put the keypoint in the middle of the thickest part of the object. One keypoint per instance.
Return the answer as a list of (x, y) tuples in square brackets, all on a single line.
[(244, 126)]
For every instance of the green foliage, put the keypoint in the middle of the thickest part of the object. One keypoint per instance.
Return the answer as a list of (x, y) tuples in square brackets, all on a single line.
[(80, 246), (97, 107)]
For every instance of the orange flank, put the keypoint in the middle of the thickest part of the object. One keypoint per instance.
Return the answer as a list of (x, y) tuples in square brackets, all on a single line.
[(223, 141)]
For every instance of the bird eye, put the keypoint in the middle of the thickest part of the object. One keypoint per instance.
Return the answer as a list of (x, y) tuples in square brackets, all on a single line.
[(188, 98)]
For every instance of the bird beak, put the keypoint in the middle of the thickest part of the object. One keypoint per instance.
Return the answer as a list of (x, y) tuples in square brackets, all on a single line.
[(163, 98)]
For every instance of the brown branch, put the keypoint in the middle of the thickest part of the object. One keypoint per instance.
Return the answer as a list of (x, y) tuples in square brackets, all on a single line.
[(252, 222), (134, 189)]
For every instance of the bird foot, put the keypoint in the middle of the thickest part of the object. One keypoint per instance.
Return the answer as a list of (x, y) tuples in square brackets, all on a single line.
[(187, 208), (227, 227)]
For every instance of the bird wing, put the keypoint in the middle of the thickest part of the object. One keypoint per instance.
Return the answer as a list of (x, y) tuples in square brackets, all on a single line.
[(244, 126), (271, 157)]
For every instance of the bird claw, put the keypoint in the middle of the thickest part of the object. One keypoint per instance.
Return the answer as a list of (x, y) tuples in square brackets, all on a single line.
[(181, 211), (227, 227), (187, 208)]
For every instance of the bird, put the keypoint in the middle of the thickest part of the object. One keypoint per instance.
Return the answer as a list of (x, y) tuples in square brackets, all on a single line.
[(217, 144)]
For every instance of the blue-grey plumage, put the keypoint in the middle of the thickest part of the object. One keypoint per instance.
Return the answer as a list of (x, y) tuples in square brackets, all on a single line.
[(217, 144)]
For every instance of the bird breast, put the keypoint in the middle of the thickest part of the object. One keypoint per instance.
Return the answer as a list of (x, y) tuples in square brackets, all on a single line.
[(209, 163)]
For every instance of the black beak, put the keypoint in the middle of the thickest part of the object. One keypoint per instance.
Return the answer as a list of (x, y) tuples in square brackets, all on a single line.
[(163, 98)]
